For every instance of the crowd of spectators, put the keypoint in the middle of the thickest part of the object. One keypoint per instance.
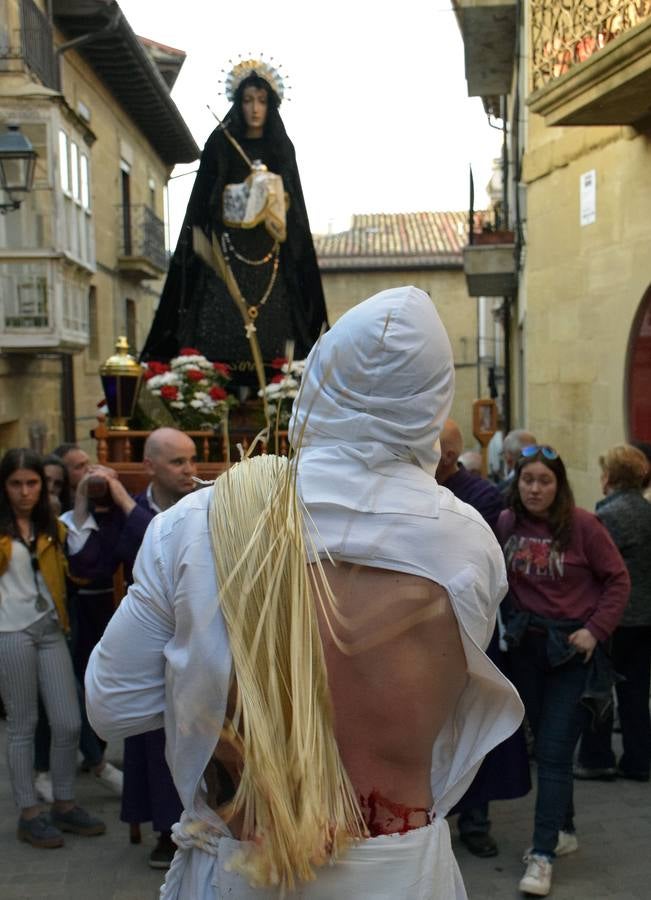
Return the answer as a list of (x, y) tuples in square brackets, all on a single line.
[(575, 625), (574, 633)]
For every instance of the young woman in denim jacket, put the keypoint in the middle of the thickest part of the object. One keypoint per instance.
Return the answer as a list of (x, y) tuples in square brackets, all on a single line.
[(34, 657)]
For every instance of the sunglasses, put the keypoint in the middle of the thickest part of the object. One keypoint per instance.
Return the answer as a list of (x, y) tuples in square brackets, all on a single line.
[(535, 449)]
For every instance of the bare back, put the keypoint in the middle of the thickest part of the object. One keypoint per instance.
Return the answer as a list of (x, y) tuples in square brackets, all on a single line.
[(391, 700)]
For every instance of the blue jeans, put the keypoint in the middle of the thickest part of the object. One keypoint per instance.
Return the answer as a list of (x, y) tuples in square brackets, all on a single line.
[(551, 697)]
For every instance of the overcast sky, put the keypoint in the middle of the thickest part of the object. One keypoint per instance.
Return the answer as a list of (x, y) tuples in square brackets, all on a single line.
[(378, 113)]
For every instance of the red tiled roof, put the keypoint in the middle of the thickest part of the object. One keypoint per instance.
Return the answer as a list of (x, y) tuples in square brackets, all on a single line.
[(396, 240)]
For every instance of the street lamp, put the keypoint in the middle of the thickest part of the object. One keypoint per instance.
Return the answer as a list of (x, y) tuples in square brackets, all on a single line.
[(17, 163)]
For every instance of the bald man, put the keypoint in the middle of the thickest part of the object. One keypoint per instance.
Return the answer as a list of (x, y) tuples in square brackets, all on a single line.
[(504, 774), (471, 461), (101, 539), (478, 492)]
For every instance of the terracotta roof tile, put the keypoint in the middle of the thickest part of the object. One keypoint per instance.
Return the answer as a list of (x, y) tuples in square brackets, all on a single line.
[(404, 240)]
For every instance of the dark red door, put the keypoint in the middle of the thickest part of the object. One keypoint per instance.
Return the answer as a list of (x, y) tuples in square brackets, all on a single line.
[(639, 374)]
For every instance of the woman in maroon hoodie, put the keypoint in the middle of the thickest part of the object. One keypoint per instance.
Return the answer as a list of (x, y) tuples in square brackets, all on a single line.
[(568, 587)]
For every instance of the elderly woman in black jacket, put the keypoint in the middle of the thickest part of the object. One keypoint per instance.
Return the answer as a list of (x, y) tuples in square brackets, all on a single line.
[(627, 516)]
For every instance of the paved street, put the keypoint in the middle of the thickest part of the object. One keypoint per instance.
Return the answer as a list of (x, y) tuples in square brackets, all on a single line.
[(613, 861)]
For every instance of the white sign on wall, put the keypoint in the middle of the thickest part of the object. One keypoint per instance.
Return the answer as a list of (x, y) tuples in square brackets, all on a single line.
[(588, 197)]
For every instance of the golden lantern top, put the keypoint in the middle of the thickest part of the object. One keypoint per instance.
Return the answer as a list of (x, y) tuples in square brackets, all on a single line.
[(121, 362)]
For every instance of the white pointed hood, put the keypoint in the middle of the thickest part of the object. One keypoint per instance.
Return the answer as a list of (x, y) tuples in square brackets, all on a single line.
[(376, 392)]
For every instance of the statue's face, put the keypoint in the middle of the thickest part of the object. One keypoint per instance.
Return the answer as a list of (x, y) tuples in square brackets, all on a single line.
[(254, 109)]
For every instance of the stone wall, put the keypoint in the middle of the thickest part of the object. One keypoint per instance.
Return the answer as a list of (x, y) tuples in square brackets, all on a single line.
[(584, 285)]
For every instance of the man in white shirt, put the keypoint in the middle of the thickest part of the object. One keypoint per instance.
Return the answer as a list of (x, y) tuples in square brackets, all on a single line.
[(414, 577)]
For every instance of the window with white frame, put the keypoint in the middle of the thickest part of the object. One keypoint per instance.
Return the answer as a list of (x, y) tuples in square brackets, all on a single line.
[(74, 174)]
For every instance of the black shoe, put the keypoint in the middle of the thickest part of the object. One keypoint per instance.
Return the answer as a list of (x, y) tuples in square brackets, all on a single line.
[(583, 773), (632, 776), (480, 844), (163, 853)]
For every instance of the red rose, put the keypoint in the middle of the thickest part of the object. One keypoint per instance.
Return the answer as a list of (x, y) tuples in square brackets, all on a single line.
[(169, 392), (156, 368), (222, 368), (217, 393), (278, 362), (148, 373), (277, 379), (189, 351), (194, 374)]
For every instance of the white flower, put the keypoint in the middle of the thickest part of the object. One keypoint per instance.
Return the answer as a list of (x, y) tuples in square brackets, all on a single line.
[(188, 362), (159, 380), (296, 367), (177, 404), (196, 404)]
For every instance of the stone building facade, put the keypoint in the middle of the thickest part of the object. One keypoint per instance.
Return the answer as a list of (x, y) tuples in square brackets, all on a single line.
[(424, 249), (572, 83), (81, 261)]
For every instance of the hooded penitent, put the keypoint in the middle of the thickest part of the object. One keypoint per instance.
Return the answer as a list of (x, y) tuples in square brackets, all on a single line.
[(376, 392)]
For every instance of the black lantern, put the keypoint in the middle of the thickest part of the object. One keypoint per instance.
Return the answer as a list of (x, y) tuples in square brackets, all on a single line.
[(121, 375), (17, 163)]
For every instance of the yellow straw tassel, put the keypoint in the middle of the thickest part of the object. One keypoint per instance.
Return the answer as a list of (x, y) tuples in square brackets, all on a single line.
[(299, 808)]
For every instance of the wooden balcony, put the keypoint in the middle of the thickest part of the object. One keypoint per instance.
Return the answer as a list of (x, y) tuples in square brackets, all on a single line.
[(591, 68)]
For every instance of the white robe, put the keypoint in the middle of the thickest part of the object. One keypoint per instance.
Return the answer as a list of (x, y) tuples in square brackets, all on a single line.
[(164, 659)]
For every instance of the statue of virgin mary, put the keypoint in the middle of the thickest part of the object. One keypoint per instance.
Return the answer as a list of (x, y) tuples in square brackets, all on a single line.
[(247, 198)]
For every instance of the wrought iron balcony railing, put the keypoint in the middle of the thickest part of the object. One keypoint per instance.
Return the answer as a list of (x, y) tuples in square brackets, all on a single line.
[(565, 33), (38, 45), (142, 241)]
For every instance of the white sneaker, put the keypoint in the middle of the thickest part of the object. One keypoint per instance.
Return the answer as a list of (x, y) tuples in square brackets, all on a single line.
[(537, 879), (43, 787), (567, 843), (111, 778)]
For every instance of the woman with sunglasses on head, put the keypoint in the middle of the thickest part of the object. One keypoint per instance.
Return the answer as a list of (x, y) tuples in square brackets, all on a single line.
[(34, 657), (568, 586)]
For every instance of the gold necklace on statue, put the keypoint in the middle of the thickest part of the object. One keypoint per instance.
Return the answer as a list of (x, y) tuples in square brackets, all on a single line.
[(252, 309)]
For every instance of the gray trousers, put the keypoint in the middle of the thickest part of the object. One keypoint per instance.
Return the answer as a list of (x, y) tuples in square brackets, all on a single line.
[(35, 661)]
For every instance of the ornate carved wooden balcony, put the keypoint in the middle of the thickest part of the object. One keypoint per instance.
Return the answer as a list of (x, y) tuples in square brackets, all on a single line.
[(591, 61)]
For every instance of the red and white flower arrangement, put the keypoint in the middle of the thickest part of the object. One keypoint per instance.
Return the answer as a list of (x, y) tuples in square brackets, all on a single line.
[(283, 389), (192, 388)]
